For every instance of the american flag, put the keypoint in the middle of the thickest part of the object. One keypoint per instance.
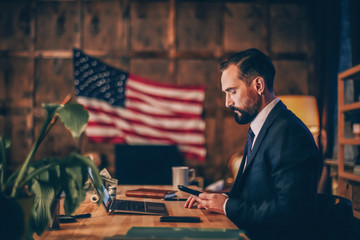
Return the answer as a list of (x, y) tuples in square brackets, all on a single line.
[(129, 109)]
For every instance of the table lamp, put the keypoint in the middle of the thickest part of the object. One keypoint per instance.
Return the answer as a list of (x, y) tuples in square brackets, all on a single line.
[(305, 108)]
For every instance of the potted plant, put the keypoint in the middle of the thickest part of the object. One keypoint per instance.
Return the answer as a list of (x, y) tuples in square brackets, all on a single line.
[(42, 180)]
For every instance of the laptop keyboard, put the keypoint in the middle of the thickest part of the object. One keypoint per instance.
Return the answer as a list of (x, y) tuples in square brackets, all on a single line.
[(128, 205)]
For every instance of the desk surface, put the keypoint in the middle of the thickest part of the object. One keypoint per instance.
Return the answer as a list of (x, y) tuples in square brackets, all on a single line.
[(101, 224)]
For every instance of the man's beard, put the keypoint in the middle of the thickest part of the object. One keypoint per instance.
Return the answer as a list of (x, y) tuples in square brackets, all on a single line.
[(246, 115)]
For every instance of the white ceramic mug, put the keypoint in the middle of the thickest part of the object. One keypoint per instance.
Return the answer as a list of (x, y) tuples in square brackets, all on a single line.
[(182, 176)]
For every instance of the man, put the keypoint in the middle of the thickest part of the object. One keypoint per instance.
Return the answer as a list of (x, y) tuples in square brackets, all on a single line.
[(274, 194)]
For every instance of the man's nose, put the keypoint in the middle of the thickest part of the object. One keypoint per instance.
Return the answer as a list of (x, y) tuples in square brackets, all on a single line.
[(228, 101)]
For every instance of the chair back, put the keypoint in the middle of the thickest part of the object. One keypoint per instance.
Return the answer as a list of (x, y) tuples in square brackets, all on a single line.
[(335, 216), (234, 165)]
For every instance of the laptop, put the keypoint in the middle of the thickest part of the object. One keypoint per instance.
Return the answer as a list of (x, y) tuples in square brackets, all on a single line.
[(113, 205)]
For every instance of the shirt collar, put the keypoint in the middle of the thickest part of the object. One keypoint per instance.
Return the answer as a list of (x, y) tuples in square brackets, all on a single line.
[(259, 120)]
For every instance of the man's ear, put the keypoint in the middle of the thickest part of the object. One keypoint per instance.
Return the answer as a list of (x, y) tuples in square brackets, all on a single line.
[(259, 85)]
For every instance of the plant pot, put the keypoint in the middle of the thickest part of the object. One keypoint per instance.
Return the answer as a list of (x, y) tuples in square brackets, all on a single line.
[(15, 216), (26, 204)]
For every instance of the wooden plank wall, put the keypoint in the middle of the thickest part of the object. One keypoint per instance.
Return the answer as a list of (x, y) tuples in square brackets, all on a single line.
[(165, 40)]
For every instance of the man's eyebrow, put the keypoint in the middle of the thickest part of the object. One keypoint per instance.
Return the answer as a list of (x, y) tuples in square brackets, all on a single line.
[(229, 89)]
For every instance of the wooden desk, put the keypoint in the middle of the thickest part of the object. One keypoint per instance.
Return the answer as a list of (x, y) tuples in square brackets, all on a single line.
[(101, 224)]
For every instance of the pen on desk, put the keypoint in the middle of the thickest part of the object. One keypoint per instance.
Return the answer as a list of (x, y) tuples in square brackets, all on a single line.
[(86, 215), (176, 199)]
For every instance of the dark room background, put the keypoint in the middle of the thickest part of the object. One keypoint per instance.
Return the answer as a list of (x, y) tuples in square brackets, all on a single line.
[(179, 42)]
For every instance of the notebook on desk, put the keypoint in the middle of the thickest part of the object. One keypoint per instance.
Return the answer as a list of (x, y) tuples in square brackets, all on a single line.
[(113, 205)]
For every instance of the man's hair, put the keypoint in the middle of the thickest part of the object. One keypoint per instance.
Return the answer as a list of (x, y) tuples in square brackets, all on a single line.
[(252, 63)]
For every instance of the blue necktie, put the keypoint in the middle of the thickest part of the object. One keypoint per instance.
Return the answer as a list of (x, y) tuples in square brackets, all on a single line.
[(250, 140)]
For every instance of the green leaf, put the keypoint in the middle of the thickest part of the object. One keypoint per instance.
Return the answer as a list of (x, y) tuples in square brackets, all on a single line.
[(74, 117), (38, 168), (89, 164), (41, 214), (74, 174), (44, 186), (71, 180)]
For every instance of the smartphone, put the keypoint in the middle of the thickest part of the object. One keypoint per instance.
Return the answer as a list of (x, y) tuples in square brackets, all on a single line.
[(179, 219), (188, 190)]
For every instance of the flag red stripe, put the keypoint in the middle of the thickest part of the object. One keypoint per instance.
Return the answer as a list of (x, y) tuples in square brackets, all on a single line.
[(176, 114), (113, 114), (194, 102), (99, 139), (164, 85), (131, 133), (170, 130), (100, 124)]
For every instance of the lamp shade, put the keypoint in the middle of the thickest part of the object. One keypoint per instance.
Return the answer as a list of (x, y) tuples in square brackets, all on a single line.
[(305, 108)]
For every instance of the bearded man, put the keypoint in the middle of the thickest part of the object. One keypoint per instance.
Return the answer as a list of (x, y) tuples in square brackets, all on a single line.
[(274, 194)]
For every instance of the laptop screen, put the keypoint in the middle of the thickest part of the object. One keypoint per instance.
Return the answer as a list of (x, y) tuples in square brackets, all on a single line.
[(103, 190)]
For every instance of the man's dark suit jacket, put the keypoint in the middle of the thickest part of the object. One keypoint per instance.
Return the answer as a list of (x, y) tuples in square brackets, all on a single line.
[(275, 196)]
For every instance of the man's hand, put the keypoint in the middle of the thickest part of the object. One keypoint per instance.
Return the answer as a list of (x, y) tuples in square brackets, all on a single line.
[(210, 201)]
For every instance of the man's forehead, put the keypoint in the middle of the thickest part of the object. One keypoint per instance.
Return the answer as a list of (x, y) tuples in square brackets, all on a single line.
[(229, 77)]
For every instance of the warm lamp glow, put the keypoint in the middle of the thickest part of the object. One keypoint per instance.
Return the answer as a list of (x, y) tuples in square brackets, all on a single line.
[(305, 108)]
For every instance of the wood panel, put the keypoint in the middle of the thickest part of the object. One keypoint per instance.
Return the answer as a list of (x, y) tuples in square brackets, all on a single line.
[(104, 25), (121, 63), (3, 89), (291, 78), (210, 137), (16, 75), (19, 129), (153, 69), (197, 26), (57, 25), (57, 143), (289, 28), (15, 25), (245, 27), (201, 72), (53, 80), (149, 26), (16, 107)]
